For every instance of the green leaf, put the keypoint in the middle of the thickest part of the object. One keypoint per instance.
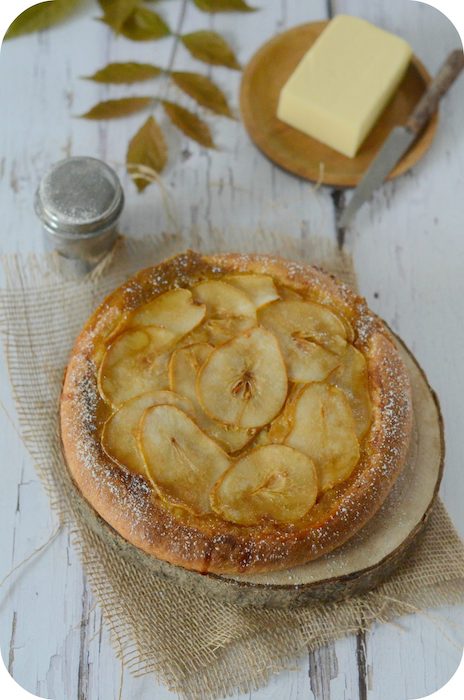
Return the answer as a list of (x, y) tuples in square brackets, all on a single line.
[(144, 24), (41, 16), (189, 123), (203, 90), (125, 73), (210, 47), (147, 149), (224, 6), (116, 12), (112, 109)]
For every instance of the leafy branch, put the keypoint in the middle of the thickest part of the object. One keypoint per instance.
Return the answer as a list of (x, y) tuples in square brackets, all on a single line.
[(137, 21), (41, 16), (134, 20)]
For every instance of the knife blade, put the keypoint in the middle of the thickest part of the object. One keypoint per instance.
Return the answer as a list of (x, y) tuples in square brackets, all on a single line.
[(396, 144), (402, 137)]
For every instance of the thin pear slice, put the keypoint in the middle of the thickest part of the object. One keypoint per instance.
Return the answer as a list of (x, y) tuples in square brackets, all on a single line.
[(287, 294), (244, 382), (217, 331), (312, 338), (180, 460), (350, 335), (175, 310), (184, 366), (135, 362), (324, 429), (260, 289), (276, 432), (352, 378), (222, 300), (119, 434), (273, 482), (282, 424)]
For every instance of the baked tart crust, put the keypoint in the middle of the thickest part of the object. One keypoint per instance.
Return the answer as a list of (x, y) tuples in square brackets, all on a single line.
[(273, 452)]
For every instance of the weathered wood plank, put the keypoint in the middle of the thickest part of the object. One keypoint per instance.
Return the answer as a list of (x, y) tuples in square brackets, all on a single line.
[(409, 258)]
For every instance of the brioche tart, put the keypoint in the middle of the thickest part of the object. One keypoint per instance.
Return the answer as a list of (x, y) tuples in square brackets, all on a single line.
[(235, 413)]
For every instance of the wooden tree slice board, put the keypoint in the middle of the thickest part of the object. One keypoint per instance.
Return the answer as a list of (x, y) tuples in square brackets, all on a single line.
[(357, 566), (262, 81)]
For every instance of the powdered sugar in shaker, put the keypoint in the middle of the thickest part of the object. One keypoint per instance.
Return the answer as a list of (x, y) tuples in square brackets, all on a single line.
[(79, 201)]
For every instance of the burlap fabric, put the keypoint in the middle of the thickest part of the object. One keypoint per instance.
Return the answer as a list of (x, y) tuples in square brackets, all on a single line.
[(199, 647)]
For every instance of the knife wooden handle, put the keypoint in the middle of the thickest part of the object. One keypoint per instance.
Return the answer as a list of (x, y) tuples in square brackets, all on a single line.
[(435, 91)]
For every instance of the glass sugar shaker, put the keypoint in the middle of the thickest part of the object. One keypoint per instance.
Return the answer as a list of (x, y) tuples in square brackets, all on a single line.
[(79, 201)]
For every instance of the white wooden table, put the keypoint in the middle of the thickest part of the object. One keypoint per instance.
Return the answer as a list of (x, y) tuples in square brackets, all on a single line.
[(408, 246)]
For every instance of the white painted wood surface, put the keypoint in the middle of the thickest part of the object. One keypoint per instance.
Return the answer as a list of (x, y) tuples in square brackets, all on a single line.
[(409, 251)]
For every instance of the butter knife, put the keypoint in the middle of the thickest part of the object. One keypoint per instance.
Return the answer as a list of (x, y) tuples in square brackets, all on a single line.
[(402, 137)]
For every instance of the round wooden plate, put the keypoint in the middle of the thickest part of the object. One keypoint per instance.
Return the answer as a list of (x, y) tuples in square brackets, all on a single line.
[(360, 564), (262, 81)]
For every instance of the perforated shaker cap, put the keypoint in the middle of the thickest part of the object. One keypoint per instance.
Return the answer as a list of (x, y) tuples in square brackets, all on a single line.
[(79, 196)]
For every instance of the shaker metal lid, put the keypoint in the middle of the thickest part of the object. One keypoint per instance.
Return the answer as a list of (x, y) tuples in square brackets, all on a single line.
[(80, 196)]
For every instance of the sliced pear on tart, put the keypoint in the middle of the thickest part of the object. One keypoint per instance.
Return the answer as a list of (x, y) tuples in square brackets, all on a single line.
[(181, 461), (174, 310), (288, 294), (259, 288), (282, 424), (223, 300), (184, 366), (312, 338), (244, 382), (323, 428), (273, 482), (135, 362), (119, 434), (217, 331), (350, 334), (353, 379), (278, 429)]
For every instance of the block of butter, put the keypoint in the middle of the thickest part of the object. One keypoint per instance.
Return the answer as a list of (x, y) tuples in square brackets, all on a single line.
[(343, 83)]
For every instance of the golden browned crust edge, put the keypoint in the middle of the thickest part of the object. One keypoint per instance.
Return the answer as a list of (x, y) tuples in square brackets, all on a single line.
[(126, 501)]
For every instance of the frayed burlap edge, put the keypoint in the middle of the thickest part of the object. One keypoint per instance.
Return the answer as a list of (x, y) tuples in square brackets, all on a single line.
[(198, 647)]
